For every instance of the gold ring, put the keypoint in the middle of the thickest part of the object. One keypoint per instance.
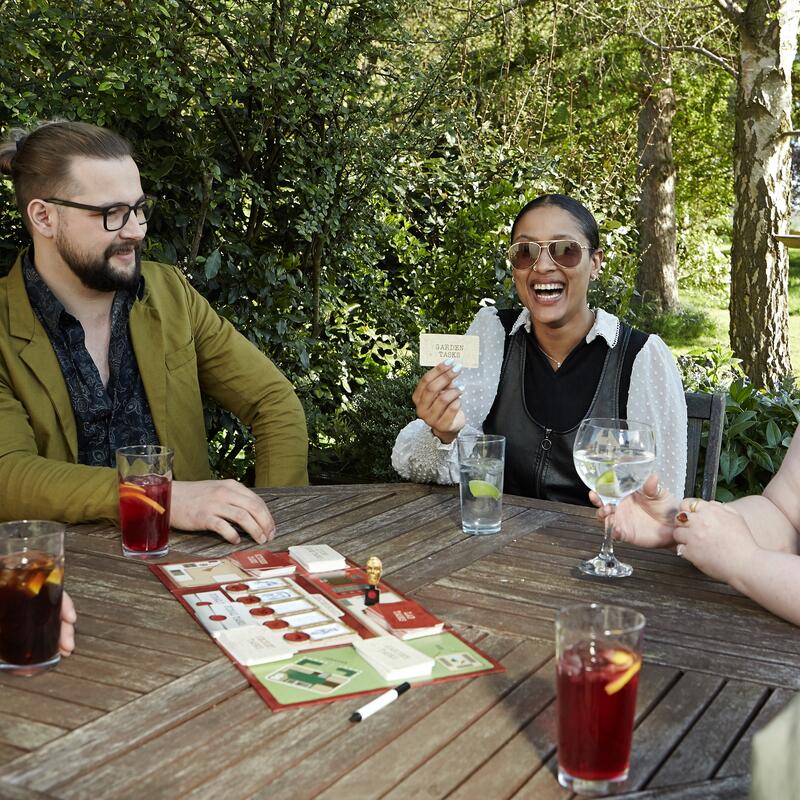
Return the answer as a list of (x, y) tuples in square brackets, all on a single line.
[(693, 505)]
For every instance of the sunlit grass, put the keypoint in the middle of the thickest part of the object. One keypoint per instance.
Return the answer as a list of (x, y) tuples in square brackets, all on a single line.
[(716, 306)]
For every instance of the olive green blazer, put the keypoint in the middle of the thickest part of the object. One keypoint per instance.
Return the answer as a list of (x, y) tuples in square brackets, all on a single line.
[(183, 348)]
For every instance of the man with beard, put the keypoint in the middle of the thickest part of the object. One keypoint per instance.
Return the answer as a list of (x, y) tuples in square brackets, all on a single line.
[(99, 350)]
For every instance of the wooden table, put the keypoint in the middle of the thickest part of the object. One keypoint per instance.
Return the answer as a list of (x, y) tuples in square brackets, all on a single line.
[(148, 707)]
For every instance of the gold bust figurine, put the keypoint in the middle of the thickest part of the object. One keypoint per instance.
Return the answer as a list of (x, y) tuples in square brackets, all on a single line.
[(374, 570)]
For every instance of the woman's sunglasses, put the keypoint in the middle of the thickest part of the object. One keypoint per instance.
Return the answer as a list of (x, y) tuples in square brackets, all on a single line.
[(564, 252)]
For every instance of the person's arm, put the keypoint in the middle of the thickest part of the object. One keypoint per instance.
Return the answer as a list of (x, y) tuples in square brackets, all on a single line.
[(420, 457), (243, 380), (774, 517), (718, 540), (418, 454), (34, 487), (773, 580), (656, 396)]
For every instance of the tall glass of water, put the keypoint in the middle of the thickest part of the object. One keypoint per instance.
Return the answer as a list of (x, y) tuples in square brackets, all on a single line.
[(613, 457), (481, 458)]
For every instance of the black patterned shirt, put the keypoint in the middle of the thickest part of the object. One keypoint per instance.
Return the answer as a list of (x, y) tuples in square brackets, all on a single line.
[(106, 417)]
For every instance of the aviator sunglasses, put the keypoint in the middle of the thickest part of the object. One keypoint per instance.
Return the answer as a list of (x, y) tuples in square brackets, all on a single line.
[(564, 252)]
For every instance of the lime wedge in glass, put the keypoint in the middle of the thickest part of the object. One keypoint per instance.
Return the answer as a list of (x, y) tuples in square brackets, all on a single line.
[(606, 484), (483, 489)]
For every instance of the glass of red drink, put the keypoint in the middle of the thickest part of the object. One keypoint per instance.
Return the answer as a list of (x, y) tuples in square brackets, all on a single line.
[(145, 489), (31, 587), (599, 652)]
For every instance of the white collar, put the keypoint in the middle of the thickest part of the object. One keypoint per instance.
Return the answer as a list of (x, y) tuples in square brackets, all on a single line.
[(605, 325)]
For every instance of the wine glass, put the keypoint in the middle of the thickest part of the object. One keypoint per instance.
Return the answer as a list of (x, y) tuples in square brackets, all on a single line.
[(613, 457)]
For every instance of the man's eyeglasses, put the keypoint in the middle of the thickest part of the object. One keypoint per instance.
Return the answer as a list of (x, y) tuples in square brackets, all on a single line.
[(114, 217), (564, 252)]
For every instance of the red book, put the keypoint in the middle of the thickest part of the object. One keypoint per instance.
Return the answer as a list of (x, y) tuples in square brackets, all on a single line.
[(406, 620), (264, 563)]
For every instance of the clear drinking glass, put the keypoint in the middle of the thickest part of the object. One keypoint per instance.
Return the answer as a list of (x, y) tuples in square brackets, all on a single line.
[(599, 656), (145, 489), (481, 461), (613, 457), (31, 588)]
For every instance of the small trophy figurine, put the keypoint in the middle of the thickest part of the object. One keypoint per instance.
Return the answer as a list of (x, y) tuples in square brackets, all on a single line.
[(372, 594)]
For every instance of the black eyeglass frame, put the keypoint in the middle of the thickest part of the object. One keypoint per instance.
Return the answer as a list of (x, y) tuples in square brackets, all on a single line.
[(147, 205), (547, 242)]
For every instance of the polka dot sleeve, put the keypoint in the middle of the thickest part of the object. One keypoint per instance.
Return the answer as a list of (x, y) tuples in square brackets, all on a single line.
[(417, 454), (656, 396)]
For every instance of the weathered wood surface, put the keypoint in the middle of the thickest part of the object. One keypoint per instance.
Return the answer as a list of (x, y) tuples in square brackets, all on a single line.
[(148, 707)]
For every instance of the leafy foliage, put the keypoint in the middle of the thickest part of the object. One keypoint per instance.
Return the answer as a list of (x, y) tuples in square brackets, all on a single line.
[(336, 176), (366, 429), (758, 430), (685, 323)]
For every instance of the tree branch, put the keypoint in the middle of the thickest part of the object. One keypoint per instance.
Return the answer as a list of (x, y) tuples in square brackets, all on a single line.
[(218, 36), (787, 134), (675, 48), (201, 217), (733, 11), (232, 136), (513, 7)]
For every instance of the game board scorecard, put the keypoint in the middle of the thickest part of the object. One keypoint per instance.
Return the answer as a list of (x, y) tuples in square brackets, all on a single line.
[(293, 633)]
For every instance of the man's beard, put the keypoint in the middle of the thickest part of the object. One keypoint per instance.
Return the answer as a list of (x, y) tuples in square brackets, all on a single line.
[(97, 273)]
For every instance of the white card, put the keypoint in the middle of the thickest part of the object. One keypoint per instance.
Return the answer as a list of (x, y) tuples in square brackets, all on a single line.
[(311, 618), (205, 599), (254, 586), (274, 597), (223, 616), (317, 557), (325, 605), (254, 644), (227, 578), (291, 607), (394, 659), (326, 631), (436, 347)]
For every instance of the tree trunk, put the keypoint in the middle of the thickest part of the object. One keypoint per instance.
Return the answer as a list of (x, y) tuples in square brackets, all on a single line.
[(759, 263), (655, 174)]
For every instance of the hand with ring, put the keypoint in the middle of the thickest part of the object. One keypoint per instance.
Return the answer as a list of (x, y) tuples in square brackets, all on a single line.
[(714, 537), (646, 518)]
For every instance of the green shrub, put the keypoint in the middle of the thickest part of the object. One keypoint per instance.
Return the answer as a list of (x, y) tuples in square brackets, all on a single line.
[(674, 327), (360, 449), (709, 370), (759, 426)]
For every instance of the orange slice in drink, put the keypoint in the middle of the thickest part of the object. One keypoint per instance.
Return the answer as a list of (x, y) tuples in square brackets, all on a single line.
[(621, 658), (126, 494), (612, 687), (34, 585), (56, 575), (134, 487)]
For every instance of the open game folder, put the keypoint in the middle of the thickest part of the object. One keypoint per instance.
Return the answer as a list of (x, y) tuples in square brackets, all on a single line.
[(295, 636)]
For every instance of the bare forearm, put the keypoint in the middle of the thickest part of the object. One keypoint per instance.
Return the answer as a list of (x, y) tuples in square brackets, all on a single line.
[(773, 580), (767, 523)]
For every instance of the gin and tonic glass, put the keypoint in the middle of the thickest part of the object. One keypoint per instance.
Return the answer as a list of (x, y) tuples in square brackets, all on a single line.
[(613, 457)]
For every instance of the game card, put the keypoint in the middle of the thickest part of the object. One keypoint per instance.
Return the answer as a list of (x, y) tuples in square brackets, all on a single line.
[(311, 618), (223, 616), (291, 607), (242, 588), (436, 347)]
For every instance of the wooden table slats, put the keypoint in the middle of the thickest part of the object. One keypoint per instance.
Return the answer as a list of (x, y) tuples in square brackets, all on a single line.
[(148, 707)]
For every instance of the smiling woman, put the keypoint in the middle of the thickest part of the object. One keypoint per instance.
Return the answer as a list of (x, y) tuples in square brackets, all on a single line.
[(545, 367)]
